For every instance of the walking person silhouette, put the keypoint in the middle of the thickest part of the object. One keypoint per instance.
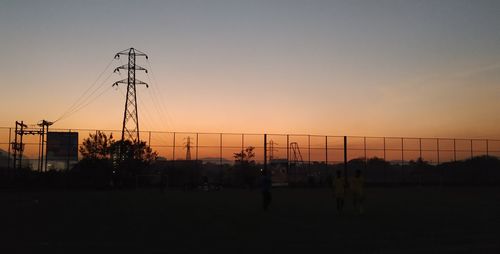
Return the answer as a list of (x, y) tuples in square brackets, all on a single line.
[(357, 191), (265, 183), (339, 186)]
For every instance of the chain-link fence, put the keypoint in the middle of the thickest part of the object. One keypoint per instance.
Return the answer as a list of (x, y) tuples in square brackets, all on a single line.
[(292, 157)]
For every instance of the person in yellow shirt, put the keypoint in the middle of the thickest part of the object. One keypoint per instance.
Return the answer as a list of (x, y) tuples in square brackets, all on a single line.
[(357, 183), (339, 190)]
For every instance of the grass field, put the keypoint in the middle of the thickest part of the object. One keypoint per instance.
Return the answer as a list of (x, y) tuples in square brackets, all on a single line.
[(397, 220)]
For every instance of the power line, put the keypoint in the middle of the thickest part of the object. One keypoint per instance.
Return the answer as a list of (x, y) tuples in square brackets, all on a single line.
[(158, 102), (159, 110), (158, 91), (149, 118), (85, 105), (85, 102), (78, 101)]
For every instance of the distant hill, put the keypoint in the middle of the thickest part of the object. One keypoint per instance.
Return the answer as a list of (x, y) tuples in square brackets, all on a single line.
[(3, 153), (4, 159), (216, 160)]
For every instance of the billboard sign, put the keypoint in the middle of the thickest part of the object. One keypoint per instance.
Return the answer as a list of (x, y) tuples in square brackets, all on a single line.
[(62, 146)]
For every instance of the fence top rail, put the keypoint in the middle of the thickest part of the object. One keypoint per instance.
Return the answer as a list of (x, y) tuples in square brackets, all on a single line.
[(275, 134)]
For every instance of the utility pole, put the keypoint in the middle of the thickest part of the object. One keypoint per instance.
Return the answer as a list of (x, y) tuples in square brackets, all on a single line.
[(18, 145), (345, 159), (130, 128), (45, 131)]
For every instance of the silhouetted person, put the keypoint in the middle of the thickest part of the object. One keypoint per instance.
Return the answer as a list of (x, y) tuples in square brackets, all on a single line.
[(339, 190), (357, 183), (265, 183)]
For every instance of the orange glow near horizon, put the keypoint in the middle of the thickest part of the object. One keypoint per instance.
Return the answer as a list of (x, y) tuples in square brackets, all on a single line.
[(313, 148), (325, 68)]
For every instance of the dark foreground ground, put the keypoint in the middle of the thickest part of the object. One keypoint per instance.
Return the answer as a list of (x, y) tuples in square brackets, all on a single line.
[(397, 220)]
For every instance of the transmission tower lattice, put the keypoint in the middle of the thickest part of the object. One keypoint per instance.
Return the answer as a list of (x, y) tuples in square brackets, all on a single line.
[(130, 129), (272, 149)]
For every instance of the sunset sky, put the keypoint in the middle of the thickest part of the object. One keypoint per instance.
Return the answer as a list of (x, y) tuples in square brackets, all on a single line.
[(377, 68)]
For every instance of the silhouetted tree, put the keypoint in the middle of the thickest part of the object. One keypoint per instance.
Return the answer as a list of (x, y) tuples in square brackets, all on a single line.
[(127, 151), (96, 168), (130, 159), (245, 162), (246, 156), (419, 165), (106, 161), (97, 146)]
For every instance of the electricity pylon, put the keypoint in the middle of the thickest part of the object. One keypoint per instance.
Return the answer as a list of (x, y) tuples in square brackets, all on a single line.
[(272, 149), (130, 116)]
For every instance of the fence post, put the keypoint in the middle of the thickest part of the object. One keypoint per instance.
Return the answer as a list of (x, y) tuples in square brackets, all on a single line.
[(265, 153), (402, 160), (402, 151), (288, 154), (345, 159), (46, 151), (8, 149), (364, 147), (242, 142), (420, 148), (454, 150), (42, 140), (15, 147), (39, 162), (326, 151), (149, 139), (309, 154), (438, 161), (420, 156), (197, 148), (487, 149), (384, 150), (385, 161), (21, 151), (437, 148), (68, 149), (220, 150), (173, 149), (471, 151)]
